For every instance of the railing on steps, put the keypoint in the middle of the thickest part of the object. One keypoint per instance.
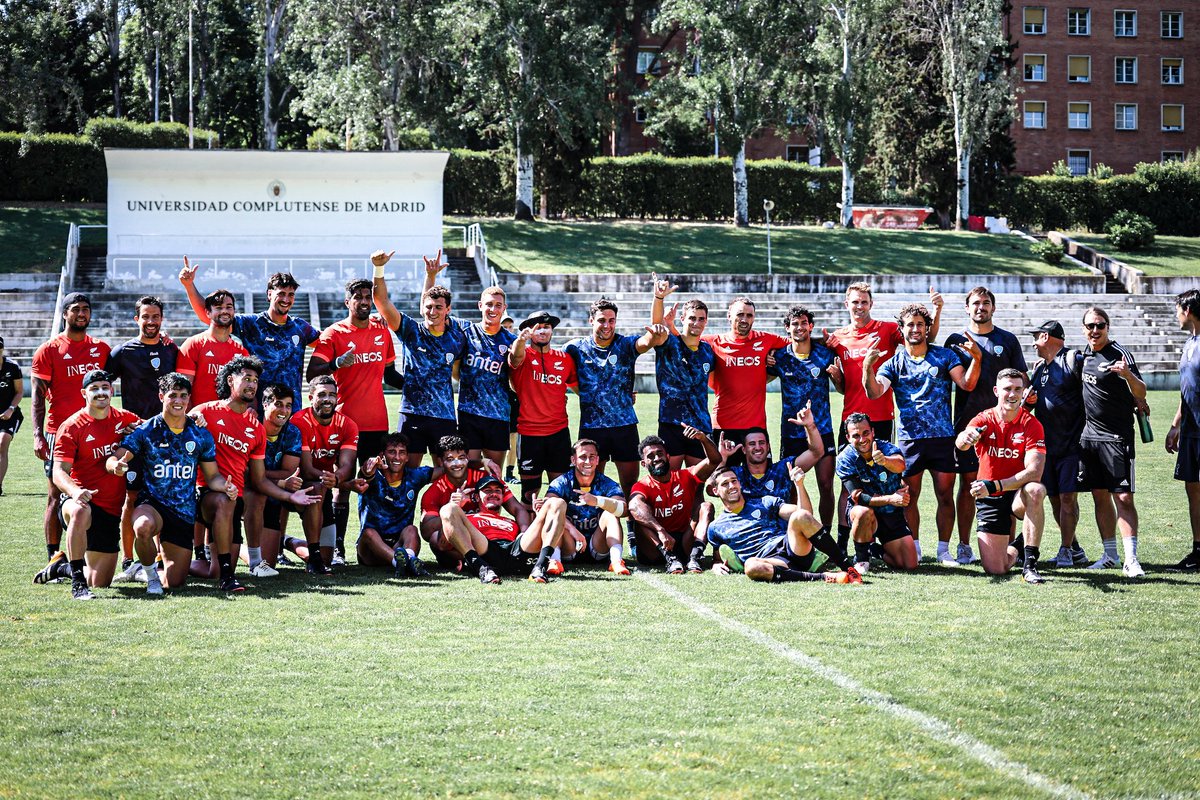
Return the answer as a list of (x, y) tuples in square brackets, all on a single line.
[(476, 246)]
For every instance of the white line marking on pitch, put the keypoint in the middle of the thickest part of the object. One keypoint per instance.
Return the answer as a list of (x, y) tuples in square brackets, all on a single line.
[(933, 726)]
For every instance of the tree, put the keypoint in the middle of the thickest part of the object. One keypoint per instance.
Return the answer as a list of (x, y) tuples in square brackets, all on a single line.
[(275, 25)]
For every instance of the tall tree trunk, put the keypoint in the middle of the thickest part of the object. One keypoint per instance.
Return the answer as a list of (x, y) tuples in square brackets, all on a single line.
[(962, 164), (524, 209), (274, 11), (741, 201), (847, 214), (114, 53)]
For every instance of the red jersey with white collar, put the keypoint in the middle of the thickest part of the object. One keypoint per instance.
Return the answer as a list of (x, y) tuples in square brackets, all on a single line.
[(360, 385), (851, 346), (1004, 444), (61, 364), (671, 501), (240, 439), (325, 441)]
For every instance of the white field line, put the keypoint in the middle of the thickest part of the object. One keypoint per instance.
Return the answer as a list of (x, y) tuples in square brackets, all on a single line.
[(932, 726)]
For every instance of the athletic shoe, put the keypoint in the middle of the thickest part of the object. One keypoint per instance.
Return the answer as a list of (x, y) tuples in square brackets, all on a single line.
[(487, 574), (283, 560), (694, 566), (875, 549), (730, 558), (416, 568), (337, 560), (1030, 575), (673, 566), (1081, 559), (965, 556), (80, 591), (315, 569), (946, 560), (537, 574), (836, 577), (1106, 562), (853, 575), (1064, 558), (619, 568), (1133, 569), (514, 481), (1189, 563), (863, 567), (263, 570), (47, 573), (154, 588), (232, 584), (554, 567)]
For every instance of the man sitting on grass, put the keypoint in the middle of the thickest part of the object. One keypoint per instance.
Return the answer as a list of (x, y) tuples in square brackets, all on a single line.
[(387, 507)]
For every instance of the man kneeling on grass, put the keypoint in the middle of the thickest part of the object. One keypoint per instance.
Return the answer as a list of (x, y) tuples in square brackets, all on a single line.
[(747, 536), (492, 545)]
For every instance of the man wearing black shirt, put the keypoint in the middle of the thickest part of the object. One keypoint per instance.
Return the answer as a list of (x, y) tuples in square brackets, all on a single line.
[(1001, 350), (12, 387), (1112, 385)]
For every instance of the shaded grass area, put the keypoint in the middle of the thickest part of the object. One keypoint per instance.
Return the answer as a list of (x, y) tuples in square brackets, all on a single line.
[(1169, 256), (639, 247), (33, 238), (594, 686)]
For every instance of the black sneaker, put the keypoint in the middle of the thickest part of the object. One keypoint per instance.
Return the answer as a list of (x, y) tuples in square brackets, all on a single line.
[(694, 566), (232, 584), (487, 574), (1189, 563), (1030, 575), (417, 569), (673, 566), (538, 575), (80, 591), (126, 564), (318, 569), (49, 573)]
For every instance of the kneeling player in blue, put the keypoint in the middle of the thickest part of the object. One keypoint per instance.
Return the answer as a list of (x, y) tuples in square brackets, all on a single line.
[(762, 477), (746, 537), (387, 507), (871, 471), (594, 504)]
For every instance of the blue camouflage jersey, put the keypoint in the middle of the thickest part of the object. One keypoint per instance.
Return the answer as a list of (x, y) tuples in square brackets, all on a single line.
[(280, 347), (605, 381), (775, 482), (390, 509), (169, 463), (429, 366), (801, 381), (752, 532), (1189, 389), (874, 479), (585, 518), (921, 387), (483, 374), (287, 443), (682, 377)]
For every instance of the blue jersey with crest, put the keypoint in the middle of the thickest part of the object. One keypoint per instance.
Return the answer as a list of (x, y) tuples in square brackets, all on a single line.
[(682, 377), (280, 347), (605, 381), (921, 387), (429, 366), (483, 374), (287, 443), (801, 381), (585, 518), (751, 532), (169, 462), (1189, 389), (390, 509), (775, 482), (874, 479)]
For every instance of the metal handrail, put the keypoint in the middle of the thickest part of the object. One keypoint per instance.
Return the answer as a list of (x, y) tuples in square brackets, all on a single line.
[(66, 278), (476, 244)]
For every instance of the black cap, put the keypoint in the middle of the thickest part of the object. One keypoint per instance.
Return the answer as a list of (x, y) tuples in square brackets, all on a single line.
[(539, 318), (76, 297), (1, 341), (488, 480), (1050, 326), (96, 376)]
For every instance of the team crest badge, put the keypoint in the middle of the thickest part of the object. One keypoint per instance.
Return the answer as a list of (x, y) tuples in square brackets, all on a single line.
[(503, 348), (449, 358), (933, 371), (156, 362), (814, 371), (295, 340), (411, 494), (770, 484), (998, 349), (130, 476), (190, 447), (707, 367), (1045, 379), (756, 514)]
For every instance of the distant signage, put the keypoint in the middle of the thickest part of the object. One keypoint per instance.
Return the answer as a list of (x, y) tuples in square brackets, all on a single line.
[(894, 217)]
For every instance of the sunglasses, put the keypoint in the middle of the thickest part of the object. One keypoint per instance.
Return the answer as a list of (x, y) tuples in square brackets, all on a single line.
[(1095, 326)]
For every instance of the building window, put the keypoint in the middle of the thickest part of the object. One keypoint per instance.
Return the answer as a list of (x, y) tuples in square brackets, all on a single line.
[(1035, 68), (1079, 116), (1172, 155), (1124, 23), (1079, 162), (1079, 22), (1171, 23), (800, 153), (1126, 116), (1172, 71), (1035, 21), (1035, 114), (1125, 70), (648, 62), (639, 114), (1079, 69), (1172, 118)]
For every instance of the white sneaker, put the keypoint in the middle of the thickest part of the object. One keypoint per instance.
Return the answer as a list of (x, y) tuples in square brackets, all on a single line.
[(154, 587), (1106, 562), (1133, 569), (337, 561), (130, 573), (863, 567), (965, 556), (946, 560), (263, 570), (1064, 558)]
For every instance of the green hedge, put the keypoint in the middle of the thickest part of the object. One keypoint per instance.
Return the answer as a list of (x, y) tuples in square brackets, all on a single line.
[(107, 132), (479, 183)]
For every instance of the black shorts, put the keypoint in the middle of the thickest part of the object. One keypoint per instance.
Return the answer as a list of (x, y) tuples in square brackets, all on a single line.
[(482, 433), (883, 430), (783, 550), (891, 526), (1107, 465), (175, 529), (995, 514), (1187, 462), (13, 424), (538, 454), (514, 410), (424, 432), (103, 535), (936, 454), (794, 446), (677, 443), (370, 444), (507, 558), (966, 461), (614, 444), (1061, 475), (239, 513)]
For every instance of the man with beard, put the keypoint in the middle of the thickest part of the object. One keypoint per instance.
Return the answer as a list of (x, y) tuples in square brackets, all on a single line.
[(1184, 436), (1000, 350), (91, 496), (274, 336), (1012, 453), (328, 449), (202, 356), (759, 476), (669, 513), (388, 507), (921, 375), (281, 463), (593, 505), (682, 366), (871, 471), (431, 348), (360, 351), (58, 369), (493, 545)]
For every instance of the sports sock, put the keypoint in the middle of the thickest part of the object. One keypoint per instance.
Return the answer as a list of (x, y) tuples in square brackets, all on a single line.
[(1196, 547), (255, 556), (543, 555), (1110, 549), (615, 553), (51, 549), (843, 536), (225, 563), (409, 552), (470, 561), (1019, 542), (315, 560), (917, 545), (557, 554), (1130, 548), (697, 552), (151, 573), (62, 569), (1032, 554), (862, 551), (783, 575), (666, 553), (207, 553), (1076, 547), (201, 552), (825, 543), (341, 518), (77, 575), (943, 549)]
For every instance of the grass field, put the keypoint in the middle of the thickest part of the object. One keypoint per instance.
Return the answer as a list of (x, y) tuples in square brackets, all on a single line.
[(33, 237), (942, 683), (1169, 256), (571, 247)]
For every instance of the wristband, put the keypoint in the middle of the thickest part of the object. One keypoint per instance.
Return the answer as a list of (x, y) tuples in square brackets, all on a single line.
[(379, 270), (864, 499), (993, 487)]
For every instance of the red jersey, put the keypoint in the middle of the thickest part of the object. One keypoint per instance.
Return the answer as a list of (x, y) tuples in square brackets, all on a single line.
[(86, 443), (325, 441), (201, 358), (672, 501), (438, 493), (360, 386), (1004, 444), (739, 378), (240, 439), (851, 345), (494, 527), (61, 364), (541, 385)]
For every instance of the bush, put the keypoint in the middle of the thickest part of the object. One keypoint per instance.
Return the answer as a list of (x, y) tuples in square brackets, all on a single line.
[(324, 139), (1129, 231), (479, 183), (107, 132), (51, 167), (1048, 251)]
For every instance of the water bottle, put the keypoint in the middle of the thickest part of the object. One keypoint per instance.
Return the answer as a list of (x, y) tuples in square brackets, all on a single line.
[(1143, 420)]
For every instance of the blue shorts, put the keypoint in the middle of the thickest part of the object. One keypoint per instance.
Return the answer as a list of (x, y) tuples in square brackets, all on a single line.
[(1061, 475), (935, 454), (1187, 462)]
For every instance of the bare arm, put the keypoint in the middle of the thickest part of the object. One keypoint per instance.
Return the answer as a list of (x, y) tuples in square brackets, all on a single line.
[(187, 277), (1035, 462), (519, 512), (346, 461), (379, 293), (264, 485), (432, 267), (61, 475), (816, 444), (653, 337), (712, 455), (874, 385), (966, 381)]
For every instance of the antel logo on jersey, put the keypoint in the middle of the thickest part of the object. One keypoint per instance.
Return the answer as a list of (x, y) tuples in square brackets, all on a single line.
[(1004, 452), (175, 472), (484, 364), (82, 369), (236, 444)]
